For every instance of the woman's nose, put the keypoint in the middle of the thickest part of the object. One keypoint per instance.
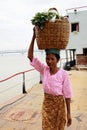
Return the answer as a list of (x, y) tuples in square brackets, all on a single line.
[(49, 61)]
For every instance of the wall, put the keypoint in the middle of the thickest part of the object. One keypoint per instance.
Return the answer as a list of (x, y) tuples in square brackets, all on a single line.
[(81, 59), (78, 40)]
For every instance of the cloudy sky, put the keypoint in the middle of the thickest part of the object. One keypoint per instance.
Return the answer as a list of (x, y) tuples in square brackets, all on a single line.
[(16, 15)]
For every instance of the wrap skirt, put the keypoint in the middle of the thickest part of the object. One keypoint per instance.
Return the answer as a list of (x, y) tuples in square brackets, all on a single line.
[(53, 112)]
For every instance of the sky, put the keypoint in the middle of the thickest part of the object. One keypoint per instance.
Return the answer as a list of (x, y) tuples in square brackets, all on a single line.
[(15, 19)]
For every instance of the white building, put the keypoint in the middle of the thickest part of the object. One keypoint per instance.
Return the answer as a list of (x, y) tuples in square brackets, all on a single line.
[(76, 51), (78, 29)]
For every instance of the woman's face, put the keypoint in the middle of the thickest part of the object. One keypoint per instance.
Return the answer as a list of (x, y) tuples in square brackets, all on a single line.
[(51, 60)]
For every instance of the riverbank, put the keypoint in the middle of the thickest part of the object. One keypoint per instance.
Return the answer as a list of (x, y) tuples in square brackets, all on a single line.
[(24, 113)]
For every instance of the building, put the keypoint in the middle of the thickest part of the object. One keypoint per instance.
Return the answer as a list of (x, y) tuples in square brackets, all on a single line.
[(77, 46)]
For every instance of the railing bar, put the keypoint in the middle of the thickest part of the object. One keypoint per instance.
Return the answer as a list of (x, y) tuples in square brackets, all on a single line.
[(16, 75)]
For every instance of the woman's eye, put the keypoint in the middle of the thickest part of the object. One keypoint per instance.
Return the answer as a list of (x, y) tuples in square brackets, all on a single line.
[(47, 58)]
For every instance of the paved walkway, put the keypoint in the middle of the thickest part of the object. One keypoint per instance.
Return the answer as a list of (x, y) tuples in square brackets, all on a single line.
[(24, 112)]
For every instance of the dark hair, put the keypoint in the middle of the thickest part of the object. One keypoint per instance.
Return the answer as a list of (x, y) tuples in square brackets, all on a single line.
[(57, 56)]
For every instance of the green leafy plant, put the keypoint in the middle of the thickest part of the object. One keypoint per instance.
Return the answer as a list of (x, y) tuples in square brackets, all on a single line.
[(40, 18)]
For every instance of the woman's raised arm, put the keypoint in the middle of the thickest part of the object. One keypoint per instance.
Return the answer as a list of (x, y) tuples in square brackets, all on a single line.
[(31, 47)]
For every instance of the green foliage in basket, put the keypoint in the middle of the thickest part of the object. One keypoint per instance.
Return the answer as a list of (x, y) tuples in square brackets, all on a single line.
[(40, 18)]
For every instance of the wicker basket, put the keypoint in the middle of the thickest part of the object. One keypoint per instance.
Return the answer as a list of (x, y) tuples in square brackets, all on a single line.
[(53, 35)]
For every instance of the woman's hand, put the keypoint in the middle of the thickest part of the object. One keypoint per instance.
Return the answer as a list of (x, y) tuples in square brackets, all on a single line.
[(69, 120)]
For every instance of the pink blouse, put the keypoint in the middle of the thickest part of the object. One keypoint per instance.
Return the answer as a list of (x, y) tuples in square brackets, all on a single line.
[(57, 84)]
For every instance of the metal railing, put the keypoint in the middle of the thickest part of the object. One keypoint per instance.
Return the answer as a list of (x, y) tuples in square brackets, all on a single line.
[(23, 73)]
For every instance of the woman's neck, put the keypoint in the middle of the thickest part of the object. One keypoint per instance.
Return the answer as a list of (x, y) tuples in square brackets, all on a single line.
[(54, 70)]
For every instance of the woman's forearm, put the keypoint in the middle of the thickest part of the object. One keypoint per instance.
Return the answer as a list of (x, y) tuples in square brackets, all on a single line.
[(69, 119), (31, 48), (68, 104)]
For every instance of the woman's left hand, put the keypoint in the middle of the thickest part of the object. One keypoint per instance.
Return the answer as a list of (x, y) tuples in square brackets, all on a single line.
[(69, 120)]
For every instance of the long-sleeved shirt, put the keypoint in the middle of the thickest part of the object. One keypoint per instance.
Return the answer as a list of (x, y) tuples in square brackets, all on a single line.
[(56, 84)]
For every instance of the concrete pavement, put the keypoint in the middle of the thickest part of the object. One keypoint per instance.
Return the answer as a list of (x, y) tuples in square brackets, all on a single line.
[(24, 112)]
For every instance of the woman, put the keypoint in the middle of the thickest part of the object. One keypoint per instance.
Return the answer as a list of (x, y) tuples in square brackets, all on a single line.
[(57, 89)]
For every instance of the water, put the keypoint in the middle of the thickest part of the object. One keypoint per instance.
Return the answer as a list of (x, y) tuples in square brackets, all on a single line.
[(11, 64)]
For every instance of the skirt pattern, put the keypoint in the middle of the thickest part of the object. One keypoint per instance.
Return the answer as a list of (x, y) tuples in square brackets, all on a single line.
[(53, 112)]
